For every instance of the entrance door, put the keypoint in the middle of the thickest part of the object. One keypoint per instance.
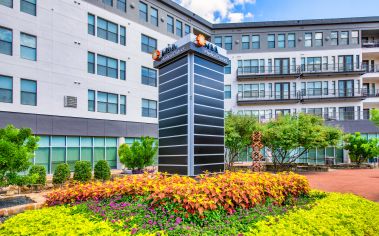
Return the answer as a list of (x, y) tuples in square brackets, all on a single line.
[(346, 88), (282, 66), (282, 90)]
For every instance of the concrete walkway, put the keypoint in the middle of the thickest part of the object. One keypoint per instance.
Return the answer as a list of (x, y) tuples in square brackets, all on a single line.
[(361, 182)]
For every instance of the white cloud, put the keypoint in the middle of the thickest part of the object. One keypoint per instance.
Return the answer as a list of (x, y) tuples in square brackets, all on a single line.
[(217, 10)]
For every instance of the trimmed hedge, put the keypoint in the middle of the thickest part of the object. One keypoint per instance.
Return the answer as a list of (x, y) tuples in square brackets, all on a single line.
[(102, 170), (336, 214), (61, 173), (41, 171), (82, 171)]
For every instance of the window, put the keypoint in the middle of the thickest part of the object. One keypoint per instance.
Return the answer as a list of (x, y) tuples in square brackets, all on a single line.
[(170, 24), (28, 92), (344, 38), (314, 88), (149, 108), (325, 88), (6, 89), (107, 102), (291, 40), (122, 35), (354, 37), (228, 42), (318, 39), (108, 2), (28, 47), (308, 39), (357, 62), (218, 41), (122, 70), (179, 28), (334, 38), (7, 3), (149, 76), (187, 29), (228, 68), (143, 11), (281, 41), (6, 39), (262, 66), (91, 100), (107, 30), (107, 66), (271, 41), (91, 24), (148, 44), (227, 91), (121, 5), (245, 41), (154, 16), (122, 104), (313, 64), (29, 6), (91, 63), (256, 41)]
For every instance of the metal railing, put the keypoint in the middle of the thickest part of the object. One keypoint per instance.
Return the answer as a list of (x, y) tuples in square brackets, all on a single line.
[(299, 69), (315, 93), (370, 68), (370, 92), (370, 43)]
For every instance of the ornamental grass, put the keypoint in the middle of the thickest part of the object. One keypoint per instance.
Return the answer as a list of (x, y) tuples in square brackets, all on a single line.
[(229, 191)]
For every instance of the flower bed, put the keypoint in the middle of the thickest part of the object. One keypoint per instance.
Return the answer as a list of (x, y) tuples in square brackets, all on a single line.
[(228, 191)]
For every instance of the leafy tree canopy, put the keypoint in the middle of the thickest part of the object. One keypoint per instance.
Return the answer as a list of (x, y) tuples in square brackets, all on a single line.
[(361, 149)]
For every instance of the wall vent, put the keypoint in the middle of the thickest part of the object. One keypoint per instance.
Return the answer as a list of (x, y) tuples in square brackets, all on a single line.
[(70, 101)]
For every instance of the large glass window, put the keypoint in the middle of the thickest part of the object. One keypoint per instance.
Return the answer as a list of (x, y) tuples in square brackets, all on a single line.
[(228, 68), (318, 39), (107, 66), (143, 11), (308, 40), (313, 64), (111, 152), (99, 149), (73, 151), (154, 16), (107, 102), (334, 38), (28, 92), (256, 39), (179, 28), (187, 29), (122, 35), (170, 24), (227, 91), (6, 89), (245, 41), (107, 30), (91, 100), (123, 104), (86, 150), (149, 76), (218, 41), (355, 37), (148, 44), (58, 151), (91, 24), (121, 5), (91, 62), (29, 7), (28, 47), (42, 154), (122, 70), (228, 42), (108, 2), (149, 108), (271, 41), (6, 39), (344, 38), (7, 3), (281, 41), (291, 40), (314, 88)]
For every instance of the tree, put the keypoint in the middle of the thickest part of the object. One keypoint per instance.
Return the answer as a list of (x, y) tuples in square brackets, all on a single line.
[(374, 116), (289, 137), (361, 149), (238, 131), (17, 147), (139, 155)]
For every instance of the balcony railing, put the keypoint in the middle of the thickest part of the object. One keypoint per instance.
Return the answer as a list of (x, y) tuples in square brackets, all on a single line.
[(299, 96), (299, 69), (370, 43), (370, 92), (370, 68)]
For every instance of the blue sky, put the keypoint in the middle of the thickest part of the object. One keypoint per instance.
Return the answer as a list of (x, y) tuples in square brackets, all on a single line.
[(270, 10)]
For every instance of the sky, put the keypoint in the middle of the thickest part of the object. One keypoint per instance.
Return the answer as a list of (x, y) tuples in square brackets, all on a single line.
[(222, 11)]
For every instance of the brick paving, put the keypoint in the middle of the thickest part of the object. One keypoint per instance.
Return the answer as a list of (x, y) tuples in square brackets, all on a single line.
[(363, 182)]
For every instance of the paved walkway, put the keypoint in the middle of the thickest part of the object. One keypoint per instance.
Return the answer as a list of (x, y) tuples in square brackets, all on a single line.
[(361, 182)]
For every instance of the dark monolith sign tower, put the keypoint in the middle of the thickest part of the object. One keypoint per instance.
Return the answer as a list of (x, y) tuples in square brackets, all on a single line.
[(191, 107)]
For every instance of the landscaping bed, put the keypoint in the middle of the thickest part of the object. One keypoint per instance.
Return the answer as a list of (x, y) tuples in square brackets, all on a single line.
[(14, 201)]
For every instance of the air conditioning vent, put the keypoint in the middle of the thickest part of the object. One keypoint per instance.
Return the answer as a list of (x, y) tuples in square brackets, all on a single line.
[(70, 101)]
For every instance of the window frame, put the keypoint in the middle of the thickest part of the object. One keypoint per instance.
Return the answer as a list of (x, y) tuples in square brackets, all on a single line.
[(107, 66), (32, 3), (291, 42), (271, 41), (227, 92), (122, 5), (154, 19), (256, 44), (344, 40), (281, 40), (148, 46), (319, 42), (228, 45), (91, 101), (179, 28), (107, 103), (7, 89), (143, 16), (7, 42), (147, 80), (308, 40), (149, 109), (170, 27), (28, 47), (107, 30), (22, 92), (92, 64)]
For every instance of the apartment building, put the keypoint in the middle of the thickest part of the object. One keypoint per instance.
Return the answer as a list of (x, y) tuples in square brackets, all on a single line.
[(80, 74)]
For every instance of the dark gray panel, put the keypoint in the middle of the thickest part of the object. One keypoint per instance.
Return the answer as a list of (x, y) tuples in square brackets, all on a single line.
[(115, 128), (210, 168), (199, 139), (180, 170), (173, 141), (173, 122), (176, 160), (181, 150), (173, 103), (208, 130), (208, 82), (208, 159), (173, 112), (175, 82), (208, 111), (65, 126), (173, 131), (45, 125), (208, 64), (150, 130), (19, 121), (209, 102), (173, 93), (209, 120), (208, 149), (172, 66), (96, 128), (133, 129), (209, 92), (209, 73)]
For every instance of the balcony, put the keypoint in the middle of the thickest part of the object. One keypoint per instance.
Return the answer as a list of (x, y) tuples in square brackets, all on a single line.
[(302, 71), (373, 43), (303, 96)]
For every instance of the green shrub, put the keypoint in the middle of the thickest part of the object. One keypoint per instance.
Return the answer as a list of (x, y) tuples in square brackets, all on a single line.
[(54, 221), (336, 214), (61, 174), (41, 172), (82, 171), (102, 170)]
